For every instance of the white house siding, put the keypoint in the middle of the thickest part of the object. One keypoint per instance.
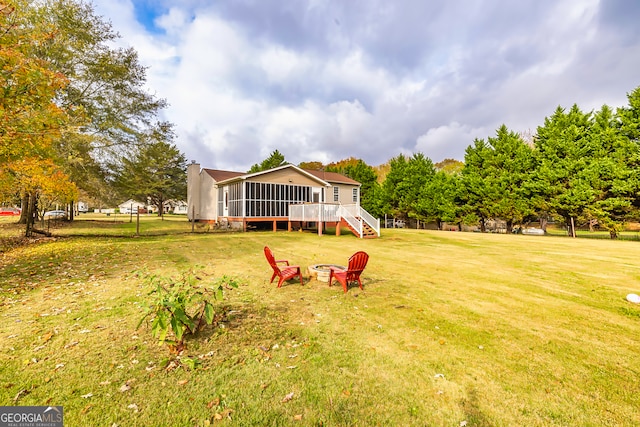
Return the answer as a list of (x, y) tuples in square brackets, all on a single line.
[(129, 205), (345, 194)]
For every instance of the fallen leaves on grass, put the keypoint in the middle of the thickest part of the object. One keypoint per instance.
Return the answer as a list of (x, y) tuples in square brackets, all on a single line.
[(214, 402), (224, 414), (183, 382), (86, 396), (297, 417), (126, 386), (20, 394), (171, 366), (287, 398)]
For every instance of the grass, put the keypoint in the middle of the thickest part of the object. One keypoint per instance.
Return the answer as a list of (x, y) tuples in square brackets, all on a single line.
[(494, 330)]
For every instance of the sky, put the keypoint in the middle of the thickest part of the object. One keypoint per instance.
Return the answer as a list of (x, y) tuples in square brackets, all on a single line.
[(325, 80)]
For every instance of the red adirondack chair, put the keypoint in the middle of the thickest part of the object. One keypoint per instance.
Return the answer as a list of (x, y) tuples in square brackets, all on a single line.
[(284, 273), (357, 263)]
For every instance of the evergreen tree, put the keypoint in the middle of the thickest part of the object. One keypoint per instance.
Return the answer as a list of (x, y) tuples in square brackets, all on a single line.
[(507, 171), (563, 177), (370, 191), (275, 159), (155, 172), (473, 192)]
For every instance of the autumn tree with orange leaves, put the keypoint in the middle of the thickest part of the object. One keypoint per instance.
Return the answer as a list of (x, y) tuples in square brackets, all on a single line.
[(30, 120)]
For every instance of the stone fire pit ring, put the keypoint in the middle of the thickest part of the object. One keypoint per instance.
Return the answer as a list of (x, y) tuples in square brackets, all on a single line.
[(321, 271)]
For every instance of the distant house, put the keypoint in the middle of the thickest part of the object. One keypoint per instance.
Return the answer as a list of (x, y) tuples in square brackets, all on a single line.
[(131, 206), (283, 195), (82, 207), (178, 207)]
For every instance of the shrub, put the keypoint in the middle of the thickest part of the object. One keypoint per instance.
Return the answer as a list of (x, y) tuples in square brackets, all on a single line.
[(183, 305)]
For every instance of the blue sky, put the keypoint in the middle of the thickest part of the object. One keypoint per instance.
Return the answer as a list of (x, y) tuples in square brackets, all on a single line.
[(323, 80)]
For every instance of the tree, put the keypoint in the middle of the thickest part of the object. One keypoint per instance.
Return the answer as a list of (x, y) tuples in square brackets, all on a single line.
[(507, 167), (274, 160), (370, 191), (31, 120), (449, 166), (314, 166), (628, 124), (613, 172), (437, 201), (390, 194), (156, 172), (473, 190), (110, 111), (563, 179), (404, 183)]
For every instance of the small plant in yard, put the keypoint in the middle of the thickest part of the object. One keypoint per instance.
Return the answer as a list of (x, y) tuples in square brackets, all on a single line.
[(183, 305)]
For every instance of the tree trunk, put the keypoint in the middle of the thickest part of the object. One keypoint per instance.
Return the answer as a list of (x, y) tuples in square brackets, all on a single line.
[(573, 228), (509, 226), (32, 210), (24, 207), (439, 224), (483, 226), (71, 211), (613, 234), (543, 224)]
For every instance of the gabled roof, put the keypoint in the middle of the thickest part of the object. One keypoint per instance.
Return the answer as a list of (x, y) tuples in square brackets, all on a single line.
[(322, 177), (130, 202), (334, 177), (289, 166), (219, 175)]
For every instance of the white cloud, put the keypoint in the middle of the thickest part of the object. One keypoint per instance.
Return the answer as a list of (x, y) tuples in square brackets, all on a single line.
[(344, 81), (448, 141)]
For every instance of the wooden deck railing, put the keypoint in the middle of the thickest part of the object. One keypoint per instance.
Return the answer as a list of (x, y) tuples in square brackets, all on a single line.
[(354, 215)]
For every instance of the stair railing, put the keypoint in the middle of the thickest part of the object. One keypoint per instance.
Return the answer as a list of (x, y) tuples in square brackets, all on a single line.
[(374, 223), (357, 212), (355, 223)]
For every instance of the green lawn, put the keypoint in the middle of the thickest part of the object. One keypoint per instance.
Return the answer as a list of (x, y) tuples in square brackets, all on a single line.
[(487, 329)]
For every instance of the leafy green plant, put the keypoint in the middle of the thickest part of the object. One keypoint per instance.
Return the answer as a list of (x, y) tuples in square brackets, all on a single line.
[(183, 305)]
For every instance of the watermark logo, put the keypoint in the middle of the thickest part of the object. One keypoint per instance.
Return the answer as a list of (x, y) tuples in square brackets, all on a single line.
[(31, 416)]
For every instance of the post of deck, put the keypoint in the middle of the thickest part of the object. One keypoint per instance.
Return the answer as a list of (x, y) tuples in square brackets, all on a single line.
[(338, 224), (288, 225), (275, 225)]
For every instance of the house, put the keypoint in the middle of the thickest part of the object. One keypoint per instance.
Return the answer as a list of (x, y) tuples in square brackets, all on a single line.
[(131, 206), (178, 207), (283, 195)]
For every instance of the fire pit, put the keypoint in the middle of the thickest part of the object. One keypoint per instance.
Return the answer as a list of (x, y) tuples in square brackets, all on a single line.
[(321, 271)]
